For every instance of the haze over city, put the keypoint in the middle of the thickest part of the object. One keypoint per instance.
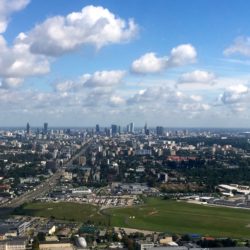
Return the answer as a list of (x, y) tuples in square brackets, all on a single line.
[(170, 63)]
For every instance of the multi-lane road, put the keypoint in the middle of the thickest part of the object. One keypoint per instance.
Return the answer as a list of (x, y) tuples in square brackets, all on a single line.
[(44, 187)]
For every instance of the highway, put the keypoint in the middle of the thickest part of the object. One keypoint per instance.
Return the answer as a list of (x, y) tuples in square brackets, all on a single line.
[(44, 187)]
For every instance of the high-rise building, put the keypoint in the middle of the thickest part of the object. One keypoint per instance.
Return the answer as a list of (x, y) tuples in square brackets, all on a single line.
[(114, 129), (127, 128), (159, 130), (45, 128), (108, 131), (130, 128), (97, 128), (146, 130), (28, 128)]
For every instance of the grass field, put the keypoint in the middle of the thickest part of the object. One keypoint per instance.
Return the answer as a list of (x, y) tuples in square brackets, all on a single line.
[(64, 211), (181, 217), (155, 215)]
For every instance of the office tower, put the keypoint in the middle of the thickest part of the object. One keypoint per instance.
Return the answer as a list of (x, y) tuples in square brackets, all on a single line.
[(45, 128), (127, 128), (28, 128), (130, 128), (159, 131), (97, 128), (146, 130), (108, 131), (114, 129)]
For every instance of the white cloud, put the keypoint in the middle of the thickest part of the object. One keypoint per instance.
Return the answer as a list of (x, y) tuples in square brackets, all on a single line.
[(30, 53), (196, 98), (65, 86), (165, 97), (116, 100), (194, 107), (150, 63), (182, 55), (91, 26), (104, 78), (197, 76), (234, 94), (98, 80), (7, 7), (11, 82), (17, 62), (241, 46)]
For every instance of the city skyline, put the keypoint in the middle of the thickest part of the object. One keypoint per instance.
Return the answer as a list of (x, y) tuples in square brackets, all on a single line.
[(167, 63)]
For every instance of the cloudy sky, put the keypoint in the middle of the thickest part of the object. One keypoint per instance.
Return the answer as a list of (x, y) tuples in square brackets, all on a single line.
[(170, 63)]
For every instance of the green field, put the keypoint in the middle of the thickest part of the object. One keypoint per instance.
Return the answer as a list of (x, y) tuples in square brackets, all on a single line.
[(180, 217), (155, 215), (64, 211)]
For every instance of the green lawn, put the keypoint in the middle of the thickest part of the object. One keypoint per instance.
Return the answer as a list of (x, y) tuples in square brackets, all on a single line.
[(63, 211), (181, 217), (155, 215)]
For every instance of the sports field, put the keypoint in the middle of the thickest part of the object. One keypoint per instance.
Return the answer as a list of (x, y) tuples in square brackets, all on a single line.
[(181, 217), (64, 211)]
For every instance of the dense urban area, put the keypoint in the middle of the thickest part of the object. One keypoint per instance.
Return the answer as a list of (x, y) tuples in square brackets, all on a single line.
[(124, 188)]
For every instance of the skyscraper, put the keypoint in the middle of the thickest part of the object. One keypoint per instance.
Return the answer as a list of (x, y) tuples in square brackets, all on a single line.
[(130, 128), (114, 129), (146, 130), (28, 128), (97, 129), (45, 128), (159, 130)]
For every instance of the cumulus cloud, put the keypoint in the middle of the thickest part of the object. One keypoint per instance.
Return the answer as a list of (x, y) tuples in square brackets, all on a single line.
[(7, 7), (194, 107), (182, 55), (234, 94), (99, 79), (162, 96), (17, 62), (31, 52), (65, 86), (197, 76), (150, 63), (91, 26), (116, 100), (241, 46), (104, 78), (11, 82)]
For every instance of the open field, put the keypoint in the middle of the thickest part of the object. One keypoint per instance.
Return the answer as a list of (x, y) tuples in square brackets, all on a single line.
[(181, 217), (155, 215), (64, 211)]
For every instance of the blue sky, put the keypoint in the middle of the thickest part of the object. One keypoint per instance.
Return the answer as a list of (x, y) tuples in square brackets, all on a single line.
[(171, 63)]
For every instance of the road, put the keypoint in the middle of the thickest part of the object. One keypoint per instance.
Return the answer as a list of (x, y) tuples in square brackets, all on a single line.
[(44, 187)]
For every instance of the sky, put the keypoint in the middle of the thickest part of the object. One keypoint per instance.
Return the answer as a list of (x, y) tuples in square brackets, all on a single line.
[(171, 63)]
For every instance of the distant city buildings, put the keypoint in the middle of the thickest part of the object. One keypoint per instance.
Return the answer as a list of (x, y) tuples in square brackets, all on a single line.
[(146, 130), (159, 131), (45, 128), (28, 129), (97, 129), (114, 129), (130, 128)]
